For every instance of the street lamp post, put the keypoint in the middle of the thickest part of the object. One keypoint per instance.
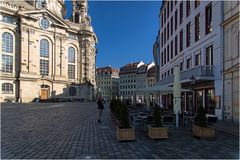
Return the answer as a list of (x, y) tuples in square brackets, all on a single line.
[(193, 83)]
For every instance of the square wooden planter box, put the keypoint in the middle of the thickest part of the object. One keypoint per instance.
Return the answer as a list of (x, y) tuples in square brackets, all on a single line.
[(203, 132), (157, 132), (125, 134)]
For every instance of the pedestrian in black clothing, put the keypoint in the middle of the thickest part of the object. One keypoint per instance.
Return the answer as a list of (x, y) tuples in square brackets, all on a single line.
[(100, 108)]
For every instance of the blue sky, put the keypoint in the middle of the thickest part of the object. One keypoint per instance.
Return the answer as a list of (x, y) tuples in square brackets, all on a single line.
[(126, 30)]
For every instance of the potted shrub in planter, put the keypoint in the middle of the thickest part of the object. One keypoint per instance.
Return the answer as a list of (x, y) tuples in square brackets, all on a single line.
[(124, 131), (156, 131), (114, 108), (200, 128)]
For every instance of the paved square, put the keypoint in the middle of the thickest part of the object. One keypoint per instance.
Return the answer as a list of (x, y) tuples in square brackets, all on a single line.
[(70, 130)]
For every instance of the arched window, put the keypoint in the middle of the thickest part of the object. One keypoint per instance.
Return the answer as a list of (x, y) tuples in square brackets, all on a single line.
[(7, 88), (72, 91), (71, 61), (44, 55), (71, 55), (7, 42), (7, 50), (44, 48)]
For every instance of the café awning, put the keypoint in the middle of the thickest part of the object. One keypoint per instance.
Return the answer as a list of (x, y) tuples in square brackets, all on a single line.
[(160, 89)]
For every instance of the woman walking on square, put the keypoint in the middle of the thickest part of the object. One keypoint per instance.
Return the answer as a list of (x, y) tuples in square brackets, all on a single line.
[(100, 108)]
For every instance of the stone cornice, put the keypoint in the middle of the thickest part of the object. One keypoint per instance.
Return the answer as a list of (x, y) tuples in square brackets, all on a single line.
[(9, 6), (226, 21), (27, 14)]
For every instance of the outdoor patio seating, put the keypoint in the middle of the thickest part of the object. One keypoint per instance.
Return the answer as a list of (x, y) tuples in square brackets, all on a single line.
[(149, 119), (181, 119), (168, 121), (136, 120), (212, 120), (189, 118)]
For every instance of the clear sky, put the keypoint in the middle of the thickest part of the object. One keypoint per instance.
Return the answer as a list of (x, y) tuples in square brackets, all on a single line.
[(126, 30)]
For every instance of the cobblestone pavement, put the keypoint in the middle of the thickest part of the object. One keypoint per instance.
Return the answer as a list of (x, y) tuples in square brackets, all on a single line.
[(70, 130)]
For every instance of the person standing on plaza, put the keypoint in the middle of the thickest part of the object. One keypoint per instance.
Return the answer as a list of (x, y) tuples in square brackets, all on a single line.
[(100, 102)]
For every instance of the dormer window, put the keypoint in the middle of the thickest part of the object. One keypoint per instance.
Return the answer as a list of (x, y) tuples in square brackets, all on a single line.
[(39, 4)]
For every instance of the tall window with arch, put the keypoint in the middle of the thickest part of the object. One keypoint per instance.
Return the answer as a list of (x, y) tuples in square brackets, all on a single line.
[(44, 57), (7, 52), (71, 63)]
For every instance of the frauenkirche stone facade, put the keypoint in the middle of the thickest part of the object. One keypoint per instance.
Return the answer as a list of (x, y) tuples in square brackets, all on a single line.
[(44, 55)]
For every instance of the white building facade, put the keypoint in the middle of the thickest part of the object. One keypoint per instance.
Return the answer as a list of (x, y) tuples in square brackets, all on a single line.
[(190, 36)]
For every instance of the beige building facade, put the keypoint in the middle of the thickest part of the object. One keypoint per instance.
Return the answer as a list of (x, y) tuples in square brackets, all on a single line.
[(151, 78), (107, 80), (128, 81), (143, 81), (231, 61), (43, 55)]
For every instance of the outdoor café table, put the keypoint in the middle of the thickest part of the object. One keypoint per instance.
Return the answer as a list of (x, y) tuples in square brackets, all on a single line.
[(144, 120), (189, 119)]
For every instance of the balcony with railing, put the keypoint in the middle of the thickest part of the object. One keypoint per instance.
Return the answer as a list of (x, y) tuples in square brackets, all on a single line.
[(199, 72)]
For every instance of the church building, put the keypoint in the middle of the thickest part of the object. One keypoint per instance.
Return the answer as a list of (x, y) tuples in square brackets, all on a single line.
[(44, 55)]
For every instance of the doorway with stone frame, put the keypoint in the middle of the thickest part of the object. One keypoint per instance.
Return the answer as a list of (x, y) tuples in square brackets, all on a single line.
[(44, 94)]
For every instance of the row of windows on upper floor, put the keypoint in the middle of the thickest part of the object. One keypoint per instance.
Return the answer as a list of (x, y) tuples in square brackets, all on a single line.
[(128, 81), (106, 78), (169, 49), (167, 32), (108, 87), (151, 80), (127, 86), (141, 86), (197, 62), (169, 9), (167, 55), (108, 94), (126, 92), (107, 82), (141, 80), (8, 19), (128, 69), (127, 76), (102, 73), (7, 56)]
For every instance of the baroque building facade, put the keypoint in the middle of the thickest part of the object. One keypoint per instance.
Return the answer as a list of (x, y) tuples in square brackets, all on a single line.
[(44, 55)]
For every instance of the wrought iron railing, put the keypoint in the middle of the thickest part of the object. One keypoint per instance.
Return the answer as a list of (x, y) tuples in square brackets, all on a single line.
[(199, 72)]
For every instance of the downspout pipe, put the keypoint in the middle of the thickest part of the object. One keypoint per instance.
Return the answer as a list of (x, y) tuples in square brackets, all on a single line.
[(222, 57)]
